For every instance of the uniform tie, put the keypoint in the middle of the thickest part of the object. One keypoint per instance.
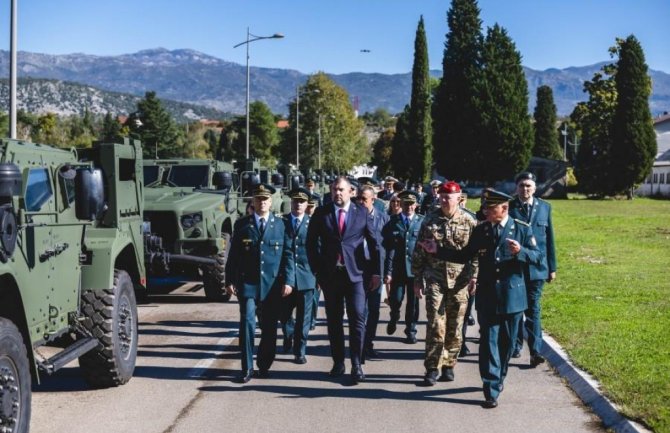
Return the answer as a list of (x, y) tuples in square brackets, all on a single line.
[(497, 229), (296, 223), (262, 225)]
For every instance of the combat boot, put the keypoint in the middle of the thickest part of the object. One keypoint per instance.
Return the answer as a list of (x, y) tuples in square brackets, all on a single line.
[(447, 374), (430, 378)]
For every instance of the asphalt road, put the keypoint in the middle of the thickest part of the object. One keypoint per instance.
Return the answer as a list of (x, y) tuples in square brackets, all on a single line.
[(188, 356)]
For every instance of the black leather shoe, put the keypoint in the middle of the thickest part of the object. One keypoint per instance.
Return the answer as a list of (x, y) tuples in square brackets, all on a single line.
[(536, 360), (337, 370), (471, 321), (430, 378), (464, 351), (447, 374), (357, 375), (411, 339), (371, 353), (312, 327), (516, 353), (300, 360), (391, 327), (490, 403), (245, 376), (287, 345), (263, 373)]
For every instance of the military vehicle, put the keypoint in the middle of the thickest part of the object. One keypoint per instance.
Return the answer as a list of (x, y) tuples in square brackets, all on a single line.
[(71, 257), (190, 206)]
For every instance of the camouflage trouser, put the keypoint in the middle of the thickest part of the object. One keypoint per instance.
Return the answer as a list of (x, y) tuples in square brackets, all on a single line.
[(445, 310)]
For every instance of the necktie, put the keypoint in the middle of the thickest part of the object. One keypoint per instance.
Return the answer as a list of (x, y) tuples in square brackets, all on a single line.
[(340, 221), (526, 208), (497, 229), (296, 223), (262, 225)]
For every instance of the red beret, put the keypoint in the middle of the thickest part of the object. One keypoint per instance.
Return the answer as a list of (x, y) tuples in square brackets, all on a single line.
[(450, 187)]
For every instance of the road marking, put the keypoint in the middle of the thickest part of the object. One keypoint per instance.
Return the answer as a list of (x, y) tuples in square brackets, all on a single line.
[(199, 368)]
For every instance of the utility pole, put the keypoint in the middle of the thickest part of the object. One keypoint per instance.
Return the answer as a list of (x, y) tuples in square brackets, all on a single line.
[(12, 72)]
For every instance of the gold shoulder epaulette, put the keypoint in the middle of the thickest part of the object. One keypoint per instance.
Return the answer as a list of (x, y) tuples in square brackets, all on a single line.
[(522, 222)]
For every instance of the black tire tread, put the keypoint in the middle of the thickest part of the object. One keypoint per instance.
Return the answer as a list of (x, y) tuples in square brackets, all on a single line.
[(9, 332), (99, 366), (214, 278)]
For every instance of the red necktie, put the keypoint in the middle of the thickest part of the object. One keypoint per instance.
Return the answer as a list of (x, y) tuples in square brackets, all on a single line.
[(340, 221)]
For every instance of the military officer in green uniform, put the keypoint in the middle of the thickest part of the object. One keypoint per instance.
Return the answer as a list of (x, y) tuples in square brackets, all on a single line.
[(447, 284), (504, 247), (258, 264), (399, 239), (304, 282)]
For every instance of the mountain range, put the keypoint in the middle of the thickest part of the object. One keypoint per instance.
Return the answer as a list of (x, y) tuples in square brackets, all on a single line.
[(209, 87)]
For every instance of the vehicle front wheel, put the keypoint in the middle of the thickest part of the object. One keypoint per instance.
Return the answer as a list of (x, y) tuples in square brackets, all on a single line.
[(15, 394), (111, 317), (214, 277)]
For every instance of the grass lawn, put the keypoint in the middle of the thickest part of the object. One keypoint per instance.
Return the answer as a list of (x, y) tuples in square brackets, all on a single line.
[(610, 305)]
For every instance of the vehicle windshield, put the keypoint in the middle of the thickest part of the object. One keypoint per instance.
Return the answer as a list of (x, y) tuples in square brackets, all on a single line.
[(194, 176), (150, 174)]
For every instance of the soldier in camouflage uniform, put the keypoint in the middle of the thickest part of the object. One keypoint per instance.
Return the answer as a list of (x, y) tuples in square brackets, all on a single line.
[(447, 285)]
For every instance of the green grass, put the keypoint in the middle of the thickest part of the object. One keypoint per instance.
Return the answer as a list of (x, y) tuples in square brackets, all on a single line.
[(610, 305)]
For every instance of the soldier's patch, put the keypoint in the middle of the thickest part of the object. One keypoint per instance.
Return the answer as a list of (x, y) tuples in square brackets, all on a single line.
[(533, 242)]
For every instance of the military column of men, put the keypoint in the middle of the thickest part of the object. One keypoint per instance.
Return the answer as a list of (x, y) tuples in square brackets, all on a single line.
[(345, 248)]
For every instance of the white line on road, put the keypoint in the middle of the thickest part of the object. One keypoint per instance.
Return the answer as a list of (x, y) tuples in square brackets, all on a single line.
[(199, 368)]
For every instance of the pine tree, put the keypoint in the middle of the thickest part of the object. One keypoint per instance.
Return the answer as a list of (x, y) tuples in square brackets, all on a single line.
[(420, 124), (111, 129), (506, 129), (633, 137), (546, 134), (456, 119), (156, 129)]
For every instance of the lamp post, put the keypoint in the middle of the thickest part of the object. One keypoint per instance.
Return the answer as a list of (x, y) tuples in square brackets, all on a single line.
[(564, 132), (12, 72), (252, 38), (319, 143), (297, 128)]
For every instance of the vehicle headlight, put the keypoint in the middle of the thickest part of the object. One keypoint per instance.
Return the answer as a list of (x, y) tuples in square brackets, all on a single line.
[(190, 220)]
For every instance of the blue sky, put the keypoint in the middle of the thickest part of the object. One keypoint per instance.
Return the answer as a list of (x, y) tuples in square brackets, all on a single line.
[(328, 35)]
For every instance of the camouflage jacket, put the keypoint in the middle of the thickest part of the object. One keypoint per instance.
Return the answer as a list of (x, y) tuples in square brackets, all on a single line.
[(451, 233)]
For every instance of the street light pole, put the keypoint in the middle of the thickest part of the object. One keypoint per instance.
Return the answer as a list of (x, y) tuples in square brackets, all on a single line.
[(12, 73), (297, 128), (319, 143), (565, 141), (252, 38)]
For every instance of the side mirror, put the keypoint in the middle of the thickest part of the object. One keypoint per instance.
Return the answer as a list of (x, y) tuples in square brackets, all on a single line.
[(89, 194)]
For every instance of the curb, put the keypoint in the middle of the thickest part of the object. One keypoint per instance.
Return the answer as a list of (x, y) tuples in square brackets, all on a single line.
[(588, 389)]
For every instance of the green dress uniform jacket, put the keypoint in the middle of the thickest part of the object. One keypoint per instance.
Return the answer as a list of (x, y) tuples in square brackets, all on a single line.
[(543, 231), (399, 242), (255, 259), (297, 243)]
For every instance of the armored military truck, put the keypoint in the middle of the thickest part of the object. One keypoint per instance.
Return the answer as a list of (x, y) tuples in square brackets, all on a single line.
[(190, 206), (71, 257)]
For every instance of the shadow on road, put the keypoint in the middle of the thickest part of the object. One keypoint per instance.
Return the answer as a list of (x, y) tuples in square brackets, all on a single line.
[(349, 392)]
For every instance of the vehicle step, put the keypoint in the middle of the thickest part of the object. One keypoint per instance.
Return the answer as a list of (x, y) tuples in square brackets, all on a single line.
[(70, 353)]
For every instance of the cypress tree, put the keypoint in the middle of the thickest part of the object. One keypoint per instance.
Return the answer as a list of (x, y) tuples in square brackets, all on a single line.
[(420, 130), (546, 134), (633, 137), (455, 116), (506, 129)]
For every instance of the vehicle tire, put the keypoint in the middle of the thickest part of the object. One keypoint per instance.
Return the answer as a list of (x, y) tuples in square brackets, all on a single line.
[(15, 394), (111, 317), (214, 277)]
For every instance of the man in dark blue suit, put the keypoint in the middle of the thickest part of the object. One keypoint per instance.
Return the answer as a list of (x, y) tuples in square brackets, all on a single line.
[(259, 262), (537, 213), (337, 256), (504, 246), (304, 283), (374, 297)]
